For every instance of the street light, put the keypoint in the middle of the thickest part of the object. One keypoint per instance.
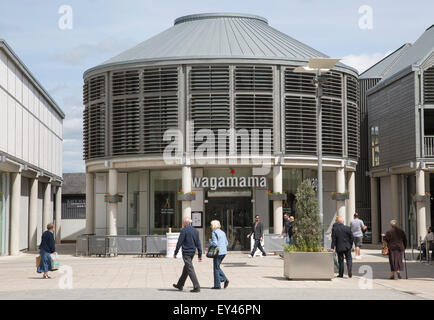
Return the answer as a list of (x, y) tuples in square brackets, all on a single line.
[(319, 66)]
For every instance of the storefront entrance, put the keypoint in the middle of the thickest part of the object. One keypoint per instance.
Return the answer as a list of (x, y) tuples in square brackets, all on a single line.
[(234, 211)]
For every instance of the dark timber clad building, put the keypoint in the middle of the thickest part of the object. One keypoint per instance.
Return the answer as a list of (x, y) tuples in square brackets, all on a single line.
[(399, 95), (213, 73)]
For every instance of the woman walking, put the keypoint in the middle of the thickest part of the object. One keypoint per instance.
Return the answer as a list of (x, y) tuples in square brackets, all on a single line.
[(46, 249), (218, 239), (396, 243)]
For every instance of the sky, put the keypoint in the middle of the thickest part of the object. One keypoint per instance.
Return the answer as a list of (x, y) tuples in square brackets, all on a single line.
[(360, 32)]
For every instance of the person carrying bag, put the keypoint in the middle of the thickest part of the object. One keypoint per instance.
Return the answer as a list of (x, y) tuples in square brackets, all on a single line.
[(217, 251)]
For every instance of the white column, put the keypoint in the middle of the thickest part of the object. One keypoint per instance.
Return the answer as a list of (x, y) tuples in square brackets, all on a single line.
[(58, 226), (15, 214), (90, 203), (374, 211), (46, 215), (277, 205), (186, 187), (420, 205), (428, 204), (394, 182), (340, 186), (112, 207), (33, 214), (351, 207)]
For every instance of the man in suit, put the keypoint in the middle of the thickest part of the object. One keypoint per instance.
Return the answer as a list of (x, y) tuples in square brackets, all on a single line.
[(257, 231), (189, 241), (342, 240)]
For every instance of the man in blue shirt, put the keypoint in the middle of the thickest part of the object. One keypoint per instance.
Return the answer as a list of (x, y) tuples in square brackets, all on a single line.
[(189, 241)]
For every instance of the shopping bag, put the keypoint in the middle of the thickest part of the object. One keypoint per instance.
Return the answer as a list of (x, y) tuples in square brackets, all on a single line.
[(212, 252), (335, 260), (55, 263), (38, 261)]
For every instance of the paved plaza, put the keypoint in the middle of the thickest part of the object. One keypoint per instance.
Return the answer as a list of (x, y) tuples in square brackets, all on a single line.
[(133, 277)]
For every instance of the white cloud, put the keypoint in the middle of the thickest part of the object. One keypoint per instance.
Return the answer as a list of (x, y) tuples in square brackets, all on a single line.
[(363, 61)]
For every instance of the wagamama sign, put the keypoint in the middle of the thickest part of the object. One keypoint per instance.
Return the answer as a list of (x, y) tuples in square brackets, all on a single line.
[(214, 183)]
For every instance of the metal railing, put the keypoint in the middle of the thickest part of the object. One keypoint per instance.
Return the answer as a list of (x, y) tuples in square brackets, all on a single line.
[(429, 146)]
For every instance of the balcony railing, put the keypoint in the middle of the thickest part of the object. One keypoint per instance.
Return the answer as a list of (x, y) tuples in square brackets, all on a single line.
[(429, 146)]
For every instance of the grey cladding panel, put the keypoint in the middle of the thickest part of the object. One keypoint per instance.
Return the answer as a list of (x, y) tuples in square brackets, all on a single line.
[(393, 110)]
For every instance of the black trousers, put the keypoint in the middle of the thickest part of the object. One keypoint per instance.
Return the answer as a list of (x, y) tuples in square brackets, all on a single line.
[(347, 255), (188, 271), (256, 246)]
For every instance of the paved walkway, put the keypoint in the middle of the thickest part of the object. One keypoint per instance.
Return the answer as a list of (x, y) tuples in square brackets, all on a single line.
[(132, 277)]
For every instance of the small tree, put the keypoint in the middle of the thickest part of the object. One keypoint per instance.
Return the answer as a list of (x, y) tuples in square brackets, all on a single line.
[(307, 227)]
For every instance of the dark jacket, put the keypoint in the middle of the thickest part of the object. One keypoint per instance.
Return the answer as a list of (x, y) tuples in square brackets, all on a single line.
[(396, 239), (342, 237), (189, 241), (47, 242), (288, 228), (258, 233)]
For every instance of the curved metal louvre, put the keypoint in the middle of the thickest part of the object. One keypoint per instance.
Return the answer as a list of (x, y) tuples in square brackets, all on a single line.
[(94, 117), (428, 86), (353, 117), (125, 115), (210, 102), (160, 107), (254, 107), (300, 114)]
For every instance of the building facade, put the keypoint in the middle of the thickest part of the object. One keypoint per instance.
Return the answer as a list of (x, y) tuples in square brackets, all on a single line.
[(212, 106), (401, 127), (30, 156), (73, 206)]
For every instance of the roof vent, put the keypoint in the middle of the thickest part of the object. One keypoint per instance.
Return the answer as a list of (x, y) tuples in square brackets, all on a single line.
[(203, 16)]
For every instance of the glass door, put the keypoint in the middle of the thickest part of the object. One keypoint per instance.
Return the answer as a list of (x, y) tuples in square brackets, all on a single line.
[(235, 216)]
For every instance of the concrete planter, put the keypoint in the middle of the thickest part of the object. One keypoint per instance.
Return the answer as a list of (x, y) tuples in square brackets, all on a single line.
[(113, 199), (187, 197), (308, 265), (340, 196), (277, 197)]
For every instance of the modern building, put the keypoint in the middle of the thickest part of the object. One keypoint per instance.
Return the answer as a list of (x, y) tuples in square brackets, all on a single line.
[(399, 95), (73, 206), (368, 80), (30, 156), (242, 123)]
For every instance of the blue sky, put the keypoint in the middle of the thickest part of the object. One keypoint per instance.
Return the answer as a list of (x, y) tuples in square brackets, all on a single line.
[(104, 28)]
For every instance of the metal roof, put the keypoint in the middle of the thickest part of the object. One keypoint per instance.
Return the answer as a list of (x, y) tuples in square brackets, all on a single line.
[(218, 35), (32, 79), (415, 55), (378, 70)]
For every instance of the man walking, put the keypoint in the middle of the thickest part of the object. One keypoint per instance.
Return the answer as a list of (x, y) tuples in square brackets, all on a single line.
[(189, 241), (357, 227), (257, 231), (342, 240), (288, 222)]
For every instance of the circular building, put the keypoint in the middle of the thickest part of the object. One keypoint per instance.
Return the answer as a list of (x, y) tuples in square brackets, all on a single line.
[(212, 106)]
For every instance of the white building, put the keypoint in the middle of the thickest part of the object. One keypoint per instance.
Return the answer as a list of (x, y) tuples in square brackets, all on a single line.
[(30, 156)]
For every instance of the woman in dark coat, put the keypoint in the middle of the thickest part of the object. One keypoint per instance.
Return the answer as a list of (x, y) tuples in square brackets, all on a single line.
[(46, 248), (396, 243)]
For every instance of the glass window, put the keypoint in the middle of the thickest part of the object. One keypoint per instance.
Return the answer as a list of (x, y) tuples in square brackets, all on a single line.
[(375, 146), (166, 210), (133, 213)]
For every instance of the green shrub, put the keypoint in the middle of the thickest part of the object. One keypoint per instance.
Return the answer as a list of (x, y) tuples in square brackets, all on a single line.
[(307, 228)]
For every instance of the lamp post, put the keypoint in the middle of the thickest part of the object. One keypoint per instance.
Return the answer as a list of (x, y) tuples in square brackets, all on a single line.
[(319, 66)]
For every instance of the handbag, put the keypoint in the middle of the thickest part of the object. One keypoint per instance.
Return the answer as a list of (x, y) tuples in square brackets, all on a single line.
[(212, 250), (385, 249), (38, 261)]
